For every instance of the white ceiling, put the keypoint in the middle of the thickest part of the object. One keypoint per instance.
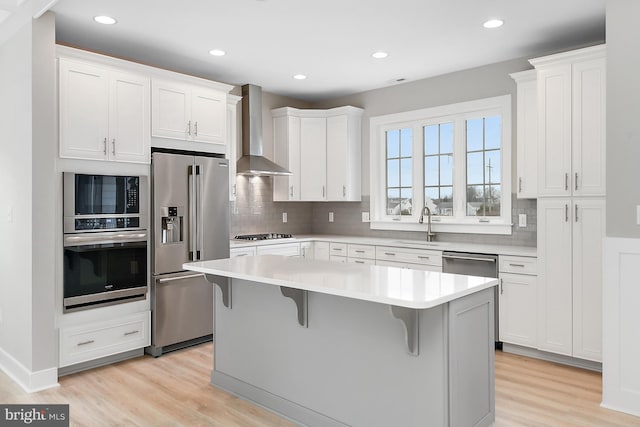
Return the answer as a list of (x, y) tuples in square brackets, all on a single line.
[(331, 41)]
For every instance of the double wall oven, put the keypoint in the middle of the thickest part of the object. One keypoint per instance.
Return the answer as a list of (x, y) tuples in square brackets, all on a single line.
[(105, 240)]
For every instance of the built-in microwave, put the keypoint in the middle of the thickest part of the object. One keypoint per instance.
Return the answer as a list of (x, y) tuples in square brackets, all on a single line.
[(94, 203)]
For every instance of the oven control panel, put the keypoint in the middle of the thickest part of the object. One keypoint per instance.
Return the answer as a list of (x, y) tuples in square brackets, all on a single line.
[(86, 224)]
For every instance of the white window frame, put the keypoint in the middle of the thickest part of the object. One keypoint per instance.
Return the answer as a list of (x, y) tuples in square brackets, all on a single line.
[(417, 119)]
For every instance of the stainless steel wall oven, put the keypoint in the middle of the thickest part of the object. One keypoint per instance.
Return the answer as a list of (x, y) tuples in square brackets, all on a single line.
[(105, 240)]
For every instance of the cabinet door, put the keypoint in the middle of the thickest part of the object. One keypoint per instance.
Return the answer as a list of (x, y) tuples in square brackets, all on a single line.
[(84, 111), (321, 251), (208, 116), (286, 138), (518, 316), (171, 110), (589, 127), (527, 138), (313, 159), (588, 232), (129, 118), (337, 157), (554, 274), (554, 137)]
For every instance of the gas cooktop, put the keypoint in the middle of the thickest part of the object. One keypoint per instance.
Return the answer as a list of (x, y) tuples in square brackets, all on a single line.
[(263, 236)]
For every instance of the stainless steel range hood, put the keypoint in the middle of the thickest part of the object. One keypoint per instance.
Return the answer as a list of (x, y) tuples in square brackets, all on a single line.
[(252, 162)]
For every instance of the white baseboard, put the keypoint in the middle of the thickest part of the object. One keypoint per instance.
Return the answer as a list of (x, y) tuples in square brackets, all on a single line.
[(30, 382), (621, 317), (551, 357)]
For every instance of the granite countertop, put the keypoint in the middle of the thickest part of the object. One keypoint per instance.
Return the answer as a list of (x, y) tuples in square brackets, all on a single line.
[(398, 243), (387, 285)]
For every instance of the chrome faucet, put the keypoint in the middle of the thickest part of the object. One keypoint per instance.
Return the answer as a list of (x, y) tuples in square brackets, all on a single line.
[(430, 234)]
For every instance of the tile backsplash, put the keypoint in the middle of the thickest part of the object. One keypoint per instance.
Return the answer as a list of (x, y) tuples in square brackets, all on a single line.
[(254, 211)]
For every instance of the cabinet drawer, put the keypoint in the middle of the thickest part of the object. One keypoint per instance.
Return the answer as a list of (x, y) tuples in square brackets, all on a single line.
[(366, 261), (339, 249), (338, 258), (101, 339), (287, 249), (415, 256), (519, 265), (362, 251), (249, 251)]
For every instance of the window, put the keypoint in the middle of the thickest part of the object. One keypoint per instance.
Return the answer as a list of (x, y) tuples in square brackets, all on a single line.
[(455, 159)]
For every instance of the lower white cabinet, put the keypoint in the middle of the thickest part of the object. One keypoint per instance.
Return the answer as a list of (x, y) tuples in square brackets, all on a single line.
[(321, 251), (570, 233), (286, 249), (306, 250), (517, 300), (423, 259), (244, 251), (101, 339)]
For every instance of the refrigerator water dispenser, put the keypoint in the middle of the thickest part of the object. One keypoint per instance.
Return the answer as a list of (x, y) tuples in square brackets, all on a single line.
[(172, 219)]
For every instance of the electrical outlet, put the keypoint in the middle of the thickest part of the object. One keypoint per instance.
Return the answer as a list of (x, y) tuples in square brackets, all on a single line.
[(365, 217), (330, 216), (284, 217), (522, 220)]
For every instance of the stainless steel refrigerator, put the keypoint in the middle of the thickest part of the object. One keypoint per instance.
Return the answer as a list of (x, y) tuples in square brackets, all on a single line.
[(190, 222)]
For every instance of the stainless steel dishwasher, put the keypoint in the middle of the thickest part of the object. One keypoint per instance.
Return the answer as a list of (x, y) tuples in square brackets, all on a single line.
[(473, 264)]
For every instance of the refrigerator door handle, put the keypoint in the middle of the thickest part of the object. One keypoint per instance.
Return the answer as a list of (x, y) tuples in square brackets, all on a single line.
[(199, 221), (192, 215)]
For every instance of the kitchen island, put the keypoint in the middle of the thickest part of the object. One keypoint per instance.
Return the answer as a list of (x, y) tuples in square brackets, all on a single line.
[(328, 344)]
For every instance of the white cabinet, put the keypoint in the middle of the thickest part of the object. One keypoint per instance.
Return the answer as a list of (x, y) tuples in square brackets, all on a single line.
[(517, 300), (322, 149), (421, 259), (243, 251), (321, 251), (104, 113), (306, 250), (101, 339), (572, 118), (570, 233), (285, 249), (527, 134), (232, 142), (338, 252), (188, 112)]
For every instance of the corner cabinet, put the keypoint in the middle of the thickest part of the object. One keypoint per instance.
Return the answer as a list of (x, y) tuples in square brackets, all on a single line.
[(188, 112), (322, 149), (572, 123), (104, 113), (527, 134)]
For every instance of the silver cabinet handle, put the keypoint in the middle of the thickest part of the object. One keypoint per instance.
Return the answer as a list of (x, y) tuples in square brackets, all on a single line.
[(566, 213), (196, 129), (520, 185), (242, 255), (359, 262), (359, 251), (85, 342), (344, 191), (576, 211), (126, 334), (469, 258), (105, 146), (576, 181), (423, 257), (189, 127), (173, 279), (501, 287), (566, 181), (323, 191), (291, 191), (336, 249), (516, 265), (113, 146), (390, 253), (234, 189)]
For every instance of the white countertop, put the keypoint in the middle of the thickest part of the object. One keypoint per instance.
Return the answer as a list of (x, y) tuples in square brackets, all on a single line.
[(387, 285), (399, 243)]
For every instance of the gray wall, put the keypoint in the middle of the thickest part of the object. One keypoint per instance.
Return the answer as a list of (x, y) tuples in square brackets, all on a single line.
[(28, 145), (623, 111)]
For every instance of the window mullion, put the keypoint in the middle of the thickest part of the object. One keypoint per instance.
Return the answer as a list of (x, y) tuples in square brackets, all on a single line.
[(418, 169), (459, 169)]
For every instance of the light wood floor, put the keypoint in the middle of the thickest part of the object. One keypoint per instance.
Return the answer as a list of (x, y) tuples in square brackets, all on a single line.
[(174, 390)]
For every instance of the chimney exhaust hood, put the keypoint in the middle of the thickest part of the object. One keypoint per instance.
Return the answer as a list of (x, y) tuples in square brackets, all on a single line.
[(252, 162)]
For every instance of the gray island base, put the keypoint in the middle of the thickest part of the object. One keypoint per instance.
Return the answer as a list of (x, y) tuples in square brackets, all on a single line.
[(339, 356)]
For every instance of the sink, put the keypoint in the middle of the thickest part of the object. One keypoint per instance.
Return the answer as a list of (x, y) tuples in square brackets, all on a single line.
[(418, 242)]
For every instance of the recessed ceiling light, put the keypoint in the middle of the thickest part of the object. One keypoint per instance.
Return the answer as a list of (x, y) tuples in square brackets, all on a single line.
[(493, 23), (299, 77), (107, 20), (380, 55), (217, 52)]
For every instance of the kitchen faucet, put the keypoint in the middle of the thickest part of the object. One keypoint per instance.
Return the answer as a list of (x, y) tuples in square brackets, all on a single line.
[(430, 234)]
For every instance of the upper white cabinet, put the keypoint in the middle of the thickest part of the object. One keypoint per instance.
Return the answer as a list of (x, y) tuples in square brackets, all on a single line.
[(322, 150), (571, 123), (104, 113), (527, 134), (188, 112)]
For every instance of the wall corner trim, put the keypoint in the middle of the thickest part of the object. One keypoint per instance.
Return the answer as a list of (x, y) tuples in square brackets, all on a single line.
[(30, 382)]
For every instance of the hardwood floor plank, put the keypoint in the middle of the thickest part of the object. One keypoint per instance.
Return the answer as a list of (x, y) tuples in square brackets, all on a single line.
[(174, 390)]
